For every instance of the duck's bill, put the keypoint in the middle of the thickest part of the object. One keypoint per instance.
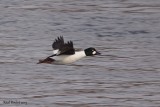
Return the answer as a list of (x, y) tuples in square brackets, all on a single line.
[(98, 53)]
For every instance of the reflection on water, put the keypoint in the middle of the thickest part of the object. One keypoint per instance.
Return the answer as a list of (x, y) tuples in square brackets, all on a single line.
[(126, 32)]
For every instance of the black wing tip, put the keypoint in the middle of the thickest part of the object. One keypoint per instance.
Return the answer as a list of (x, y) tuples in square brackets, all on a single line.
[(64, 47), (70, 43), (60, 38), (59, 41)]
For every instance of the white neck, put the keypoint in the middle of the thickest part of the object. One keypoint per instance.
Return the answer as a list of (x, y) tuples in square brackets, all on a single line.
[(80, 54)]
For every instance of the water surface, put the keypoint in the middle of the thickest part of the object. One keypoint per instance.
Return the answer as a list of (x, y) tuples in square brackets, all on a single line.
[(126, 32)]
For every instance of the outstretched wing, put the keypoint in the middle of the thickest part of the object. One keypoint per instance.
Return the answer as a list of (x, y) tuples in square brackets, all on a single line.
[(59, 42), (61, 48), (67, 48)]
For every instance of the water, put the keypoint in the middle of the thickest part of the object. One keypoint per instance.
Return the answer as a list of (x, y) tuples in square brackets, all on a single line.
[(126, 32)]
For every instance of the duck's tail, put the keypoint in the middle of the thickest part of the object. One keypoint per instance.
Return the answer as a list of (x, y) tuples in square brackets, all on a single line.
[(48, 60)]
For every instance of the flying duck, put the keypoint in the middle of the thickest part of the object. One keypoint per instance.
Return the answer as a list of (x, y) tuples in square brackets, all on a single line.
[(65, 53)]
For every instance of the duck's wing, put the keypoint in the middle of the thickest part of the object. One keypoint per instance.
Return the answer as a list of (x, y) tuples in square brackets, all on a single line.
[(67, 49), (57, 45), (61, 48)]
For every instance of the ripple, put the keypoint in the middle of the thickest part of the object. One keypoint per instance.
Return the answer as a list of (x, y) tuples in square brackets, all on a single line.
[(138, 32)]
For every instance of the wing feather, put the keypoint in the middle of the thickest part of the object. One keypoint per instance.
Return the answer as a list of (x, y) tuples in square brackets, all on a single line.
[(59, 42), (61, 48)]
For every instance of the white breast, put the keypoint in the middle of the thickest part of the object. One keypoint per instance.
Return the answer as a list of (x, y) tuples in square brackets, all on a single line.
[(69, 58)]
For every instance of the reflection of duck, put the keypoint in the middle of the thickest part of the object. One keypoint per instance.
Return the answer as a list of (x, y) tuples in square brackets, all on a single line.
[(64, 53)]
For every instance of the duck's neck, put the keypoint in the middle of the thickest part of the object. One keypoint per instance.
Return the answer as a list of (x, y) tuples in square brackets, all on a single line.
[(80, 54)]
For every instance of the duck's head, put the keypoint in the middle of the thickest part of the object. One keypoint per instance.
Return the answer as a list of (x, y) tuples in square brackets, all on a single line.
[(91, 51)]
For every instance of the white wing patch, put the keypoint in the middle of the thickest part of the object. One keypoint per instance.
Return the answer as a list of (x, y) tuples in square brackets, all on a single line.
[(56, 51)]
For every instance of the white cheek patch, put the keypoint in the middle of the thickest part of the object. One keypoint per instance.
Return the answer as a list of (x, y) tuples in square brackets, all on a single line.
[(56, 51), (94, 52)]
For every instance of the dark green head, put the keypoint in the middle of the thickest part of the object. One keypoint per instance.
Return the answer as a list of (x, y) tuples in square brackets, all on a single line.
[(91, 51)]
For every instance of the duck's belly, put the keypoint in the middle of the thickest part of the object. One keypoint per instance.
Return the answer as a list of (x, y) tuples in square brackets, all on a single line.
[(66, 59), (69, 58)]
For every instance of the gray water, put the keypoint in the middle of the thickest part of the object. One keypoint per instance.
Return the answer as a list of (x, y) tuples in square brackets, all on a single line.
[(126, 32)]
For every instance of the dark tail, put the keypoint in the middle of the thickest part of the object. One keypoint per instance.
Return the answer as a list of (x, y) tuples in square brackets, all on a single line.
[(48, 60)]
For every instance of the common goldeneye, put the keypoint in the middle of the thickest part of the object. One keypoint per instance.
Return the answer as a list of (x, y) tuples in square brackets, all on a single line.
[(64, 53)]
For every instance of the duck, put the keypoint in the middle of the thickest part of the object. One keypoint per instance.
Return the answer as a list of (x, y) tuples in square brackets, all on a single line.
[(65, 53)]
